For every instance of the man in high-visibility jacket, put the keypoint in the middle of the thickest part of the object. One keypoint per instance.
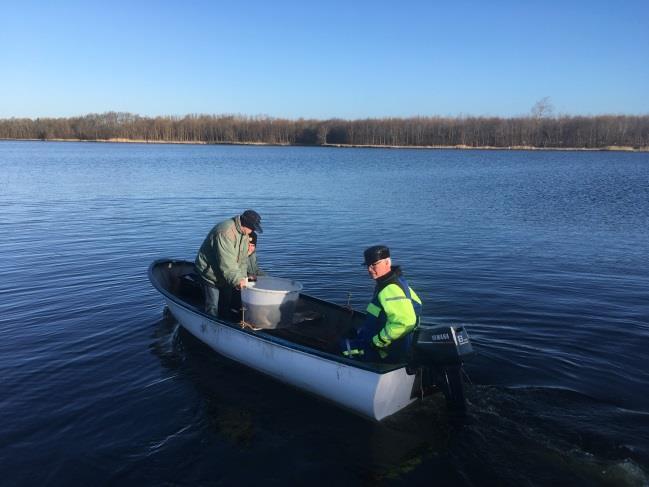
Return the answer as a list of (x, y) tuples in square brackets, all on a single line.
[(392, 315)]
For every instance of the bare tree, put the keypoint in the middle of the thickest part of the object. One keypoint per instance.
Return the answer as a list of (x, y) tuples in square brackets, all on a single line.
[(543, 108), (540, 129)]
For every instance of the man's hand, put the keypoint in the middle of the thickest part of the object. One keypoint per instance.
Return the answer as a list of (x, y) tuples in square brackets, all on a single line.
[(382, 353), (379, 345), (242, 283)]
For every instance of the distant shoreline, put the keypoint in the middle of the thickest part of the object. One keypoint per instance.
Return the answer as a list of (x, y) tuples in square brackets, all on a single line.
[(438, 147)]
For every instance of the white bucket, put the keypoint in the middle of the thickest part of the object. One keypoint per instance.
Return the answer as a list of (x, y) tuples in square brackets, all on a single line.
[(270, 302)]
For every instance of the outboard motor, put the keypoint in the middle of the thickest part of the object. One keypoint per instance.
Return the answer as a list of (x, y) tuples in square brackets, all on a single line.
[(439, 351)]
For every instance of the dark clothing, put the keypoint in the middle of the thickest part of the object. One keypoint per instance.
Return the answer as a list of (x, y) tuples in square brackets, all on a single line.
[(229, 298)]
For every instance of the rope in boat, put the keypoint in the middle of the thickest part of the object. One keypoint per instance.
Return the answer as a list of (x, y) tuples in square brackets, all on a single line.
[(244, 324)]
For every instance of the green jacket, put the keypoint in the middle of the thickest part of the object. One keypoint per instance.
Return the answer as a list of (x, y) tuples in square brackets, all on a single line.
[(223, 256), (253, 268), (392, 315)]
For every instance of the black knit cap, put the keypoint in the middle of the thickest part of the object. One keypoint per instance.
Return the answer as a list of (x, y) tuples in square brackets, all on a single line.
[(252, 220), (374, 254)]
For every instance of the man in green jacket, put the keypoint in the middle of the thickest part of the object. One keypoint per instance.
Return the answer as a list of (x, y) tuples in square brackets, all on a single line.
[(222, 261), (253, 271)]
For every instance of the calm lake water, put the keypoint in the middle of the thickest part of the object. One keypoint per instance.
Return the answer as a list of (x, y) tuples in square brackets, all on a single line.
[(543, 255)]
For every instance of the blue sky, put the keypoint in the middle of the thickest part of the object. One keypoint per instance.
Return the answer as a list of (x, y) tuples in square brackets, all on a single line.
[(348, 59)]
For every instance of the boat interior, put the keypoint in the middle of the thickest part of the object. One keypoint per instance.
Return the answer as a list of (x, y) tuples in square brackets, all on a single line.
[(317, 324)]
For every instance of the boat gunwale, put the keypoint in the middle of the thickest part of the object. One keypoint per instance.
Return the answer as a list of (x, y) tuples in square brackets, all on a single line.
[(384, 368)]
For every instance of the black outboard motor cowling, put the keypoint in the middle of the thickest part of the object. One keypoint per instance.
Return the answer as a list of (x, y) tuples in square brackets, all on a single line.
[(441, 345), (438, 352)]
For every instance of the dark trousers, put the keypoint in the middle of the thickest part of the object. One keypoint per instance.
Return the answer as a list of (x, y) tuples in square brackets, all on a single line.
[(229, 300), (225, 300)]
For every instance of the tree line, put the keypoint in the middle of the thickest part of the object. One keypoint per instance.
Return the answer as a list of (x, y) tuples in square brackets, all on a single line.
[(538, 130)]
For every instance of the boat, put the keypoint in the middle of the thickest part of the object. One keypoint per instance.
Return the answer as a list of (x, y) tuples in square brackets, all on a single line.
[(305, 353)]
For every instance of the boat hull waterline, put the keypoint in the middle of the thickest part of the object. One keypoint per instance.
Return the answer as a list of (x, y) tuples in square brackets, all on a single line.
[(370, 394), (375, 395)]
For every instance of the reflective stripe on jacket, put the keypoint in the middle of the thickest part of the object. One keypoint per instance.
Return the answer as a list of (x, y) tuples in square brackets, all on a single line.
[(395, 310)]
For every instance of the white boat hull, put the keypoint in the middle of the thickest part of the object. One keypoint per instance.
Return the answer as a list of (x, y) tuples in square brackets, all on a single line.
[(371, 394)]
